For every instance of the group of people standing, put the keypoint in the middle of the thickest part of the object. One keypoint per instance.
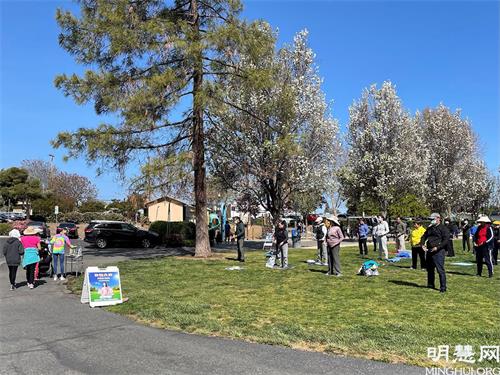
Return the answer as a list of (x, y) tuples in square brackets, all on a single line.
[(25, 250)]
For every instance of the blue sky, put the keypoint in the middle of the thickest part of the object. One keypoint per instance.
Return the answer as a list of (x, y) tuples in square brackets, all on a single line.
[(434, 51)]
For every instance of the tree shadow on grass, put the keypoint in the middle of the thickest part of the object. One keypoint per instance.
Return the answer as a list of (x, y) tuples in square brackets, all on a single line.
[(406, 283)]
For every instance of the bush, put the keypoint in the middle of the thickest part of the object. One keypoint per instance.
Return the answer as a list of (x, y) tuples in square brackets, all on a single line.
[(87, 217), (5, 228), (177, 233)]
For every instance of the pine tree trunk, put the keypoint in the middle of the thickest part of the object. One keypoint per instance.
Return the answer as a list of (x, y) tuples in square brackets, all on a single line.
[(202, 248)]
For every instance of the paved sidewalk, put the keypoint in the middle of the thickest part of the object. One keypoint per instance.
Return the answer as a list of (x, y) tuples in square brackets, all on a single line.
[(47, 331)]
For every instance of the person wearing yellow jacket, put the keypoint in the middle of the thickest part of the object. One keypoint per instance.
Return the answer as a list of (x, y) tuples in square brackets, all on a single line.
[(416, 248)]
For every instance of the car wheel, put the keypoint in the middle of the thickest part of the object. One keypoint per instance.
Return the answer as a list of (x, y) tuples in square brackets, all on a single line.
[(101, 243), (146, 243)]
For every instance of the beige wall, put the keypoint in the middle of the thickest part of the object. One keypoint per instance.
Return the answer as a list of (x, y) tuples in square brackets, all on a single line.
[(159, 211)]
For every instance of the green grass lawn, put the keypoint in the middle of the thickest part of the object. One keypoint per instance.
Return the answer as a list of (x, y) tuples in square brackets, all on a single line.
[(391, 317)]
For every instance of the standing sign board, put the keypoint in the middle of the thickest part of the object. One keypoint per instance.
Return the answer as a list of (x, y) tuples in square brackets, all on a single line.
[(102, 286)]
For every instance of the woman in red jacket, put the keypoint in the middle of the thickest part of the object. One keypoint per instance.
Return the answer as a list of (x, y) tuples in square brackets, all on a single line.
[(483, 241)]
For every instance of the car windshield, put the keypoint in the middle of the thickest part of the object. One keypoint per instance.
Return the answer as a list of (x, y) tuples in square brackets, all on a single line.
[(35, 224), (67, 225)]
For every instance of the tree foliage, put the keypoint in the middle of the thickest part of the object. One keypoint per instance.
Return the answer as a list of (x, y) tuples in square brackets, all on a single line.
[(386, 158), (278, 151), (458, 178), (153, 67), (17, 187)]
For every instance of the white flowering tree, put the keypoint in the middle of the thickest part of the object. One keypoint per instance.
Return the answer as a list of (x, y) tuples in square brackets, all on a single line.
[(280, 150), (386, 158), (458, 178)]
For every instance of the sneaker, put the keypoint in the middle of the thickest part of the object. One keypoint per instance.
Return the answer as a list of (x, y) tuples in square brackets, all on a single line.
[(31, 286), (328, 274), (62, 278), (12, 287), (338, 275), (55, 277)]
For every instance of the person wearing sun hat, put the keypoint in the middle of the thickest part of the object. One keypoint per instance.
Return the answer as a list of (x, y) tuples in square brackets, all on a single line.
[(334, 237), (496, 242), (483, 241), (31, 244)]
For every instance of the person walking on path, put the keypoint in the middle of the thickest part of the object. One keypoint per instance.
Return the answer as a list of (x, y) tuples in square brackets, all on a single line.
[(59, 242), (400, 234), (12, 250), (382, 232), (333, 239), (320, 232), (496, 242), (240, 238), (434, 242), (31, 244), (483, 241), (363, 237), (416, 248), (466, 235)]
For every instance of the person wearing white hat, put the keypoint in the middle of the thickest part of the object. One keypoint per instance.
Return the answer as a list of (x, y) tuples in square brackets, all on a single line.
[(434, 242), (320, 232), (483, 241), (334, 237), (12, 251)]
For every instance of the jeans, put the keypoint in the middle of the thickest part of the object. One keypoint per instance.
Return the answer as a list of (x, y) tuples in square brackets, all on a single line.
[(435, 260), (382, 247), (363, 248), (400, 242), (334, 260), (283, 250), (12, 275), (55, 258), (322, 255), (241, 252), (30, 273), (466, 242), (417, 252)]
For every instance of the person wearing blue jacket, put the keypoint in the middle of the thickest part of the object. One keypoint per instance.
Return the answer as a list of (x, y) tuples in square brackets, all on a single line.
[(363, 231)]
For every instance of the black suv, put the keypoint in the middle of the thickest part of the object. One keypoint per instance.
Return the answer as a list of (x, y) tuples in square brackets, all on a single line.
[(104, 233)]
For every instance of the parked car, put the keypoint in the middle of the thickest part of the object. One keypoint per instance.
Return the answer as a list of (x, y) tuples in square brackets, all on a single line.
[(42, 227), (104, 233), (71, 227)]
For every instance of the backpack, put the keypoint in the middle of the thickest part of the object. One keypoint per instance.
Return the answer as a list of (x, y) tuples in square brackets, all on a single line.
[(319, 233)]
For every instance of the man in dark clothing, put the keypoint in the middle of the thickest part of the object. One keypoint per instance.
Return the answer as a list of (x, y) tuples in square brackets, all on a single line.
[(496, 242), (240, 236), (465, 235), (450, 251), (434, 242)]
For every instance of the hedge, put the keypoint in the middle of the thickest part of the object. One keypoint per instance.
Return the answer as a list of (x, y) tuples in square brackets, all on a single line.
[(5, 228), (176, 233), (87, 217)]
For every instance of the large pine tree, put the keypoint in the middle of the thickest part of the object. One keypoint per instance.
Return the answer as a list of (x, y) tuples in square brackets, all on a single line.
[(152, 64)]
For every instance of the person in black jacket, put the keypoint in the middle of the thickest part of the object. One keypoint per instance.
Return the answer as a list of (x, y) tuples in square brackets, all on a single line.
[(434, 242), (466, 235), (240, 237), (12, 250), (450, 251), (496, 242), (281, 237)]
